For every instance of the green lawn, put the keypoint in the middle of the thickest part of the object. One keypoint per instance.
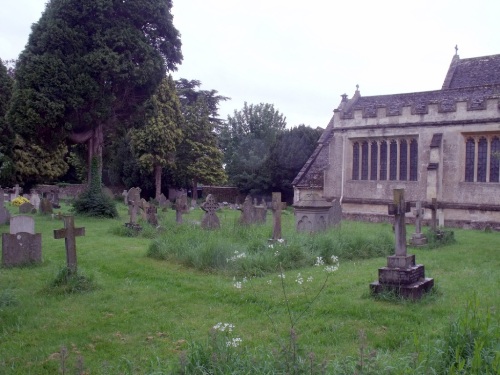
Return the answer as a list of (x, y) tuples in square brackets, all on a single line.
[(145, 313)]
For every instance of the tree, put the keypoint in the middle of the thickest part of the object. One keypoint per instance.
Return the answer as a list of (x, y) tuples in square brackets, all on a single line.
[(155, 143), (287, 156), (6, 135), (246, 141), (87, 69), (199, 159)]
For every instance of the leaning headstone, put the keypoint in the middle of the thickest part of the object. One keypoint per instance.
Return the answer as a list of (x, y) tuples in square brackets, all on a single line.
[(35, 200), (277, 206), (69, 232), (45, 207), (247, 212), (27, 208), (22, 245), (180, 207), (210, 219), (401, 276), (4, 213), (418, 238)]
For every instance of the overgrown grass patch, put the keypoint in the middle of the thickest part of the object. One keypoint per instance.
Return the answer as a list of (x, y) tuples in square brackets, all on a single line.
[(147, 315)]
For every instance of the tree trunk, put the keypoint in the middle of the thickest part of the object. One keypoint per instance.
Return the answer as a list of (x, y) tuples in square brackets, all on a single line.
[(195, 189), (158, 170)]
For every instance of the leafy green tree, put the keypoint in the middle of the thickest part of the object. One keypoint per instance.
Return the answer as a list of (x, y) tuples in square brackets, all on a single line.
[(287, 156), (155, 143), (246, 139), (6, 134), (199, 158), (88, 67)]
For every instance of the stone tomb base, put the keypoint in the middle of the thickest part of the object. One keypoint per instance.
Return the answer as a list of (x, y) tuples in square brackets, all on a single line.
[(403, 277)]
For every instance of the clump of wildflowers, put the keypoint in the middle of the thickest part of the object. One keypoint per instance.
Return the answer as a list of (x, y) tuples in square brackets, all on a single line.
[(223, 327), (18, 201), (237, 255)]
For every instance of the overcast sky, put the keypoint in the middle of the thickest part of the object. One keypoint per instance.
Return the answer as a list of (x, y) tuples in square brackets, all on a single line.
[(302, 55)]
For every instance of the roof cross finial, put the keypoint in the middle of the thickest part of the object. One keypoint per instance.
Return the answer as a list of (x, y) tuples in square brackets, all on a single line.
[(357, 87), (456, 49)]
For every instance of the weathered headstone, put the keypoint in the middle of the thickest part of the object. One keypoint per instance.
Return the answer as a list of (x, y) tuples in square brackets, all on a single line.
[(22, 245), (401, 275), (69, 232), (163, 202), (17, 191), (27, 208), (144, 209), (260, 212), (277, 206), (151, 216), (45, 206), (180, 207), (134, 203), (418, 238), (125, 195), (35, 200), (210, 219), (4, 213), (247, 212)]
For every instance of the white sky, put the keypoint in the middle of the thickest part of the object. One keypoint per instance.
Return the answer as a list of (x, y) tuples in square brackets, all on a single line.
[(302, 55)]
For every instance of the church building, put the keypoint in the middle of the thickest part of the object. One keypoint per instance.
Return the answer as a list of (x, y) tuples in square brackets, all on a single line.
[(442, 147)]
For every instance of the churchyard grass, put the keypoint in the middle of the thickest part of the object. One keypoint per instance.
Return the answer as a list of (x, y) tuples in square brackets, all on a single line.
[(146, 314)]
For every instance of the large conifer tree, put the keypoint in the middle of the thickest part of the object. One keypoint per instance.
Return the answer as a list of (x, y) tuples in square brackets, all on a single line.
[(87, 68)]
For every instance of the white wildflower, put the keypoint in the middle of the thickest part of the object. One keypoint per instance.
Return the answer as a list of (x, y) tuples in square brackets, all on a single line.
[(319, 261), (309, 279), (234, 342), (299, 280), (281, 275), (270, 245), (276, 253), (269, 282), (237, 284)]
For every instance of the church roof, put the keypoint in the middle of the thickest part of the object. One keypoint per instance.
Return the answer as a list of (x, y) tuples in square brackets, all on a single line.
[(476, 71), (473, 80)]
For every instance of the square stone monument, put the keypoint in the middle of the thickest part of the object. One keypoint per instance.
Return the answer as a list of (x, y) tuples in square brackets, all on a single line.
[(314, 213), (401, 275)]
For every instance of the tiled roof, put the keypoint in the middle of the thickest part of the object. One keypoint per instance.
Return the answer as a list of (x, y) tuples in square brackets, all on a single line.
[(476, 71)]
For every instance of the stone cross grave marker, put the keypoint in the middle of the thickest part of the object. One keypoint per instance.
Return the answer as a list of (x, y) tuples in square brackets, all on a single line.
[(277, 206), (180, 207), (210, 219), (17, 191), (247, 211), (151, 215), (402, 275), (134, 202), (69, 232), (399, 208), (417, 238), (22, 245), (4, 213)]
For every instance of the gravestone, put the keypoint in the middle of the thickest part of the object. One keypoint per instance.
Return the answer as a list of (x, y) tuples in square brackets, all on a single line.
[(418, 238), (69, 232), (125, 197), (134, 203), (16, 193), (27, 208), (35, 200), (260, 212), (151, 215), (210, 219), (22, 245), (163, 202), (4, 213), (277, 206), (247, 212), (401, 275), (144, 209), (45, 207), (180, 207)]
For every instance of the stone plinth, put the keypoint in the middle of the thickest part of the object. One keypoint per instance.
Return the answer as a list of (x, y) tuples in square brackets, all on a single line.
[(418, 239), (403, 277)]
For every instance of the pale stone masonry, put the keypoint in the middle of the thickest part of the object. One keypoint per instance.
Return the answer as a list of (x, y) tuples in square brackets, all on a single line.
[(442, 144)]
